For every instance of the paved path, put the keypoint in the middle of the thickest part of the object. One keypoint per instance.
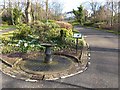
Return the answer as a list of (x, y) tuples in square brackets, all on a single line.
[(102, 73)]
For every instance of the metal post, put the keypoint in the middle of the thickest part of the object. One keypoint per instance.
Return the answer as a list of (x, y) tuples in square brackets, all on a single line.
[(76, 45)]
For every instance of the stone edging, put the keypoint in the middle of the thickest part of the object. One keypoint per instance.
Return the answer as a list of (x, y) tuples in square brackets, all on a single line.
[(84, 59)]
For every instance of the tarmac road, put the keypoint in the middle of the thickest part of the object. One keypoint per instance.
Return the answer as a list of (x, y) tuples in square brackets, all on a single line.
[(102, 72)]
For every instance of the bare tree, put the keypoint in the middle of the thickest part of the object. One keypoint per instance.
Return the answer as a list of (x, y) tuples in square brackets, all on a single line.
[(11, 11), (46, 9), (102, 14), (4, 7), (56, 8), (4, 4), (113, 6), (94, 7), (28, 11)]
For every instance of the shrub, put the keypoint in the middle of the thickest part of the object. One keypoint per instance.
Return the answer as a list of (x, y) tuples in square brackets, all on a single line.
[(52, 25), (64, 25), (68, 33), (45, 30), (88, 24), (7, 19), (28, 38), (50, 33), (99, 24), (4, 22), (116, 27), (23, 31), (53, 21), (10, 48)]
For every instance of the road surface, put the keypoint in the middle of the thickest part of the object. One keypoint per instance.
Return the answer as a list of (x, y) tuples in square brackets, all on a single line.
[(102, 72)]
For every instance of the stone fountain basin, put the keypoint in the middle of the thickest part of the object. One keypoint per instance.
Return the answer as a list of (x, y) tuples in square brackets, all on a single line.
[(37, 65), (61, 66)]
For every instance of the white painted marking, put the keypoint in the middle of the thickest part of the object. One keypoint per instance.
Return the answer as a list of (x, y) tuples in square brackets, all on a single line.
[(89, 54), (52, 79), (84, 36), (89, 63), (31, 80), (13, 76)]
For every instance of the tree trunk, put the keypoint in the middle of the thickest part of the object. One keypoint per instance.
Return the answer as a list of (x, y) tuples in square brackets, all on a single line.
[(112, 14), (4, 5), (11, 12), (47, 10), (27, 12)]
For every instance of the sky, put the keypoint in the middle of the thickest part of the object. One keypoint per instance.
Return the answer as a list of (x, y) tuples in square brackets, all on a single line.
[(69, 5)]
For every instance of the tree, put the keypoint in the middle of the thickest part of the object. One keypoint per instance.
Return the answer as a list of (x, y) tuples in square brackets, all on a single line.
[(46, 9), (28, 12), (94, 7), (85, 12), (112, 5), (37, 10), (11, 11), (4, 6), (17, 15), (101, 14), (57, 8), (79, 14)]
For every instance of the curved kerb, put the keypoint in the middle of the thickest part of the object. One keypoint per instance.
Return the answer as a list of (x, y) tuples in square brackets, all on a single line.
[(19, 74)]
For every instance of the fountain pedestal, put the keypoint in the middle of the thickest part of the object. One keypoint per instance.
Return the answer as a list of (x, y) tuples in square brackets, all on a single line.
[(48, 53)]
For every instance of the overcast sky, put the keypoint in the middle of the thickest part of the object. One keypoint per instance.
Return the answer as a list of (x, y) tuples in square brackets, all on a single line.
[(69, 5)]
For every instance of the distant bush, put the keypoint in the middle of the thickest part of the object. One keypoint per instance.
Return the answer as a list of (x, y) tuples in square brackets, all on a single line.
[(7, 19), (75, 31), (105, 26), (51, 20), (88, 24), (75, 23), (64, 24), (116, 27), (4, 23), (99, 24)]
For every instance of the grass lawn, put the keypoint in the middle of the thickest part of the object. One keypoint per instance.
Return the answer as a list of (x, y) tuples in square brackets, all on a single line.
[(4, 27), (112, 31)]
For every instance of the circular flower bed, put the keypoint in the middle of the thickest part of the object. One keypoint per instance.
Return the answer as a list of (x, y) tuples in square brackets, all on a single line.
[(18, 48)]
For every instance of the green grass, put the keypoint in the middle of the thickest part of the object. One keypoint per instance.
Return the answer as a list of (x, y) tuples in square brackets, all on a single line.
[(112, 31), (7, 34), (75, 31), (4, 27)]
